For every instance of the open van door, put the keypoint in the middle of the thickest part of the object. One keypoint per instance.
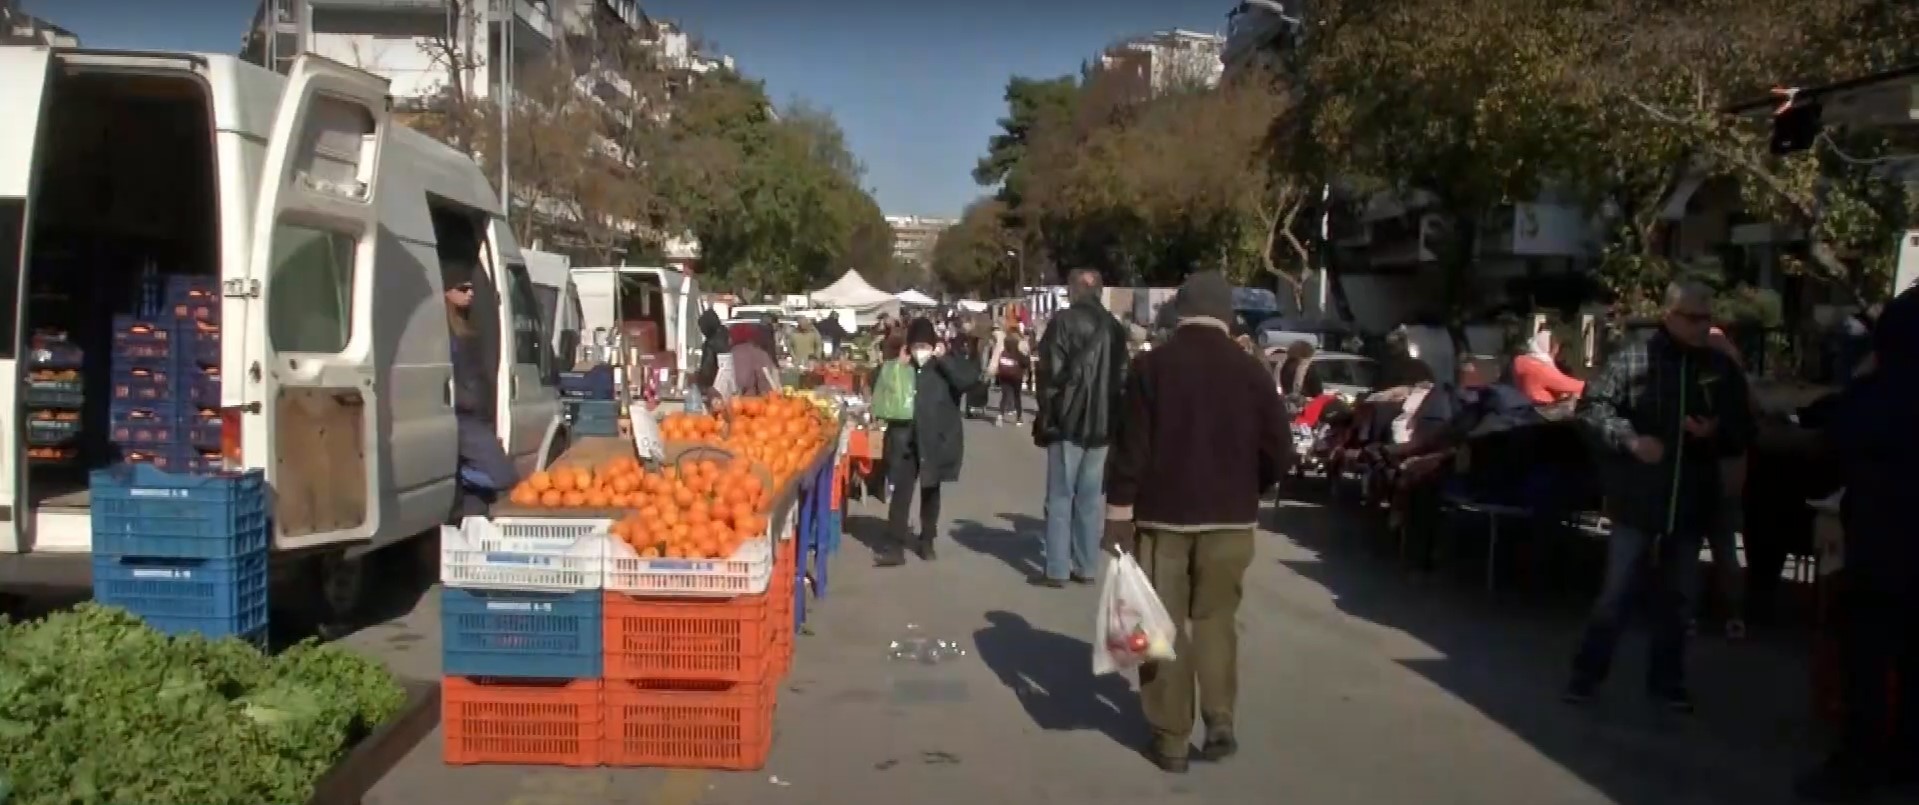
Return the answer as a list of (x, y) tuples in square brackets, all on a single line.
[(24, 75), (306, 387), (530, 408)]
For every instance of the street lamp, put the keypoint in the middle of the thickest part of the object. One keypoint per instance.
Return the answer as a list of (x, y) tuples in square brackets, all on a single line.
[(1019, 271)]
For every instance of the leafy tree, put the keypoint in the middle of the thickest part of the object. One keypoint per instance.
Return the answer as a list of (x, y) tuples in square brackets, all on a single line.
[(1032, 103), (971, 256)]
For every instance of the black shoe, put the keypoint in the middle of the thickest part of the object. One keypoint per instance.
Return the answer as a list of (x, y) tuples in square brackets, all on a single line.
[(1578, 693), (1048, 583), (1219, 746), (1166, 763), (925, 550), (893, 558), (1676, 701), (1839, 779), (1081, 579)]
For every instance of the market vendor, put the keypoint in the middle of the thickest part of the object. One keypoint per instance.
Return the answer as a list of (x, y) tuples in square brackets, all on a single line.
[(1536, 372), (807, 347)]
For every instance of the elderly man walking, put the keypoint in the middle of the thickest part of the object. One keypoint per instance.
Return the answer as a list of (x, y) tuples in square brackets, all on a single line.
[(1665, 413), (1082, 366), (1202, 435)]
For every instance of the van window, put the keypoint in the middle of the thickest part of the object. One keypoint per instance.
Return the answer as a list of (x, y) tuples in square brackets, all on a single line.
[(529, 340), (310, 304), (13, 221)]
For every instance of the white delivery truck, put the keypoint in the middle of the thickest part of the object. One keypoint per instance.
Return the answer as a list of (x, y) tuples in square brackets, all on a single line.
[(615, 299), (326, 225)]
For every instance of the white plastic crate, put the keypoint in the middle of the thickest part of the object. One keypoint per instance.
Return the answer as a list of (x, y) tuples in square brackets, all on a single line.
[(538, 554), (746, 572)]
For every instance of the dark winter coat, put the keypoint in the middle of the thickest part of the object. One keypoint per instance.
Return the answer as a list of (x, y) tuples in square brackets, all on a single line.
[(927, 451), (1874, 434), (1082, 371), (484, 464), (1648, 388)]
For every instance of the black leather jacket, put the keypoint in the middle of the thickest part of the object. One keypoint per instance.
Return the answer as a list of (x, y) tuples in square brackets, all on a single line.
[(1082, 368)]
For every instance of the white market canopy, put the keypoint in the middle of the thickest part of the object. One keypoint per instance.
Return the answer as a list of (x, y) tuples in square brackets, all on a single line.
[(853, 291), (914, 298)]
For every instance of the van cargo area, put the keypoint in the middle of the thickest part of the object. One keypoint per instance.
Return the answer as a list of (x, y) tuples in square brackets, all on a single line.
[(125, 207)]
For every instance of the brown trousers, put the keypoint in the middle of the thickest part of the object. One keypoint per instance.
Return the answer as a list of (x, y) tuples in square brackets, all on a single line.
[(1200, 578)]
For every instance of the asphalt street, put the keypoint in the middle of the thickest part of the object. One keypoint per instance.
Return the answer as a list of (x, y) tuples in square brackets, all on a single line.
[(1359, 684)]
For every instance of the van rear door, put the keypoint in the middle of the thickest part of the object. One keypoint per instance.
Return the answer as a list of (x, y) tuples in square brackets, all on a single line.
[(530, 408), (23, 90), (309, 373)]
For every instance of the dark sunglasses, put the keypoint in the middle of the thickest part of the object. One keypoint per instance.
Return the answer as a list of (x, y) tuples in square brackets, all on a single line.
[(1694, 318), (464, 287)]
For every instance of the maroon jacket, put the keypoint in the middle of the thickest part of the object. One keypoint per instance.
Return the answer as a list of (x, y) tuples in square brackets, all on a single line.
[(1202, 434)]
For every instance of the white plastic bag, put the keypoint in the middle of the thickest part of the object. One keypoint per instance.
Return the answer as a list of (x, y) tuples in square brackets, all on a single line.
[(1132, 626)]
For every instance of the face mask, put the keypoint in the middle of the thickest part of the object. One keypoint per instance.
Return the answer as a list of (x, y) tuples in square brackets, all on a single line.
[(921, 356)]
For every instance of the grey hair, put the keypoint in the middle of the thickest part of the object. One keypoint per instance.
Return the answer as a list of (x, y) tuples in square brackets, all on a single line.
[(1083, 285), (1682, 292)]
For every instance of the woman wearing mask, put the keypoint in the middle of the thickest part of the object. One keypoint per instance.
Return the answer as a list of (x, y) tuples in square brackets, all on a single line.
[(485, 470), (708, 386), (925, 451)]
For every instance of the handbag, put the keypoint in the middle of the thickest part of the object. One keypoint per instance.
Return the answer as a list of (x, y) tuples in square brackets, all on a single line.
[(893, 393)]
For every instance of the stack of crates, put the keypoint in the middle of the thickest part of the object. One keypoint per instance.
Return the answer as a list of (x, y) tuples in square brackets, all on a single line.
[(55, 396), (678, 677), (520, 614), (187, 553), (166, 379), (592, 401)]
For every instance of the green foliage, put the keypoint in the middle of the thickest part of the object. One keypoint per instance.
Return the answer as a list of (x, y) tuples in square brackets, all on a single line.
[(98, 709), (971, 256), (774, 200), (1033, 104)]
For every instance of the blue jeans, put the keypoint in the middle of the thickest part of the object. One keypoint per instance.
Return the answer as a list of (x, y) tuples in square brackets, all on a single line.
[(1075, 509), (1674, 565)]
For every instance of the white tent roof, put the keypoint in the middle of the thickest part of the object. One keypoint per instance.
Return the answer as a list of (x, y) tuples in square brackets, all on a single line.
[(915, 298), (851, 290)]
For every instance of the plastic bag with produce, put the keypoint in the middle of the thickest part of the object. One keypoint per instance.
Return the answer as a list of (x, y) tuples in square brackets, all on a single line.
[(1132, 626)]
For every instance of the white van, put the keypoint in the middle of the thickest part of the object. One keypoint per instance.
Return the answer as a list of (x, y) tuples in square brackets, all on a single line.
[(326, 225), (613, 297)]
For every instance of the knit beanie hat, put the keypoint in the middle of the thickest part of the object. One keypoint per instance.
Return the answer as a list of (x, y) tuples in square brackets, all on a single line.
[(1206, 294), (921, 331)]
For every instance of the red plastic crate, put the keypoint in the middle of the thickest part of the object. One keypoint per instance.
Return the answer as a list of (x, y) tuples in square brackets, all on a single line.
[(690, 726), (521, 722), (689, 639)]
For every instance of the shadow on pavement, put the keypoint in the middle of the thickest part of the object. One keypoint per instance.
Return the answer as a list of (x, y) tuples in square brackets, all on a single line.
[(1508, 656), (1018, 544), (868, 530), (1052, 675)]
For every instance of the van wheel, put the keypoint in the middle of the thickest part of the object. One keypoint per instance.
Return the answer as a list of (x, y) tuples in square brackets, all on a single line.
[(339, 593)]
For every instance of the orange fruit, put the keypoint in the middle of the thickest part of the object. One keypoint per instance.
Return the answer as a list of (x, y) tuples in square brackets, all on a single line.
[(551, 498), (539, 481), (598, 499), (574, 499)]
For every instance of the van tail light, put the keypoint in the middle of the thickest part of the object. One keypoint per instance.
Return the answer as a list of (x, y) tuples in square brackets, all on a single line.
[(230, 453)]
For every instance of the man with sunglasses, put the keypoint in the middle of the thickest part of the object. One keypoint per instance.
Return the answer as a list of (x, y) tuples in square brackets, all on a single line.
[(1664, 414)]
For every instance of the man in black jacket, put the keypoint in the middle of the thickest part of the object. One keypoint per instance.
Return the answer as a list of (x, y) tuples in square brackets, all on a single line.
[(1664, 413), (1201, 437), (1082, 364)]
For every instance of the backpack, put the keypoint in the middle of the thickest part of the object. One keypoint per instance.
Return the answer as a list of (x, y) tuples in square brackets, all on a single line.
[(1012, 361)]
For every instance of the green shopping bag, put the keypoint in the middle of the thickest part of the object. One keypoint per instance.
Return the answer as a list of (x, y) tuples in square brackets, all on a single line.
[(893, 392)]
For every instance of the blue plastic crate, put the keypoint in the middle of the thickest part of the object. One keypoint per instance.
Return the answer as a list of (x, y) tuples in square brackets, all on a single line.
[(143, 342), (42, 393), (200, 388), (146, 428), (521, 634), (214, 597), (593, 384), (55, 353), (202, 429), (197, 344), (143, 384), (155, 509)]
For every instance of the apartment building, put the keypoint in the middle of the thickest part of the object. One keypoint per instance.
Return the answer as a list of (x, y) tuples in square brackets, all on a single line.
[(1165, 60), (17, 27), (914, 236)]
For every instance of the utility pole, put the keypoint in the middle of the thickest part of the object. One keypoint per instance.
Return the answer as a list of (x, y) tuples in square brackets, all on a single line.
[(505, 70)]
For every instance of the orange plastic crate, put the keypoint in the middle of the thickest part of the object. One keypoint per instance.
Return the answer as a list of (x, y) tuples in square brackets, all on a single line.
[(687, 639), (522, 722), (694, 726)]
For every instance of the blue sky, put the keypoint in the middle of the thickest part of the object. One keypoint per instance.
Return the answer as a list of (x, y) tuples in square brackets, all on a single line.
[(916, 85)]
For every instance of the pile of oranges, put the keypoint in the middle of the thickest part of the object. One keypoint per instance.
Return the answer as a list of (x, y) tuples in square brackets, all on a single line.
[(701, 510), (781, 433), (690, 428)]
